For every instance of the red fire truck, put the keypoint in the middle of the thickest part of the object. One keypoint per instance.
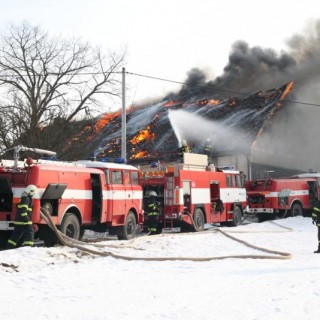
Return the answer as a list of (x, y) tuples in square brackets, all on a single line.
[(86, 195), (270, 198), (192, 194)]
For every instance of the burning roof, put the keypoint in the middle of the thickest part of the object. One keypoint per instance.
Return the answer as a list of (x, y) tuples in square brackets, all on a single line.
[(153, 133)]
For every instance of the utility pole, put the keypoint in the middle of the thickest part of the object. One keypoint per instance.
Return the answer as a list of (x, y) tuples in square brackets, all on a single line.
[(124, 124)]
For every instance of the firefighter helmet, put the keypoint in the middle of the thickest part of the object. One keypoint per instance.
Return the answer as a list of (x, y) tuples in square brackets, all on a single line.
[(31, 189), (152, 194)]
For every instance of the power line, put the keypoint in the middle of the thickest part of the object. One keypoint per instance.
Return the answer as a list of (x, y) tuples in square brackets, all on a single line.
[(57, 74), (184, 83), (167, 80), (305, 103), (220, 90)]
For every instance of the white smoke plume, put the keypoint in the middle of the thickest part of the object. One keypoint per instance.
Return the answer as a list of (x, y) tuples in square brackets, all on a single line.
[(196, 129)]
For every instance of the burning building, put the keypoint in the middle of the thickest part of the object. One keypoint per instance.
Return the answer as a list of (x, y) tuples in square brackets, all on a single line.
[(233, 127), (256, 132)]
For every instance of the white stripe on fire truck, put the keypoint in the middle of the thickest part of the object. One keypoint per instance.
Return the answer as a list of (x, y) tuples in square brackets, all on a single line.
[(233, 195), (122, 195), (292, 193), (202, 195), (107, 194), (86, 194)]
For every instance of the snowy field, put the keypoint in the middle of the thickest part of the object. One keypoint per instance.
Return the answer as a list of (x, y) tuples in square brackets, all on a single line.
[(66, 283)]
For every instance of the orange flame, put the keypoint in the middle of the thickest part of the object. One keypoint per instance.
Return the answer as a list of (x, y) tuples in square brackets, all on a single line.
[(169, 103), (144, 134), (101, 123), (203, 102), (284, 94), (232, 103), (287, 90), (139, 155), (208, 101), (214, 101)]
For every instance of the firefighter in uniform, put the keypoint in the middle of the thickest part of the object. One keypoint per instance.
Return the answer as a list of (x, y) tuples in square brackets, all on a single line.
[(153, 213), (23, 228), (316, 221), (184, 148), (207, 148)]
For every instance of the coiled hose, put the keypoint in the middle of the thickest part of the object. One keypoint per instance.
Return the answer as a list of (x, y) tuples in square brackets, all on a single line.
[(72, 243)]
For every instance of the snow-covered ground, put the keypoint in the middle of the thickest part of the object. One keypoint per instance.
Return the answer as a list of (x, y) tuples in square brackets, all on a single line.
[(65, 283)]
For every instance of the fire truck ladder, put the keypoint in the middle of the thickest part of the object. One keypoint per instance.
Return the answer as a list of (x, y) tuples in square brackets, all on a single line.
[(168, 221), (169, 200)]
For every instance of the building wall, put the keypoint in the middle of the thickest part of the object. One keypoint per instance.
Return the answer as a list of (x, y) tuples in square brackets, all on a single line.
[(254, 170), (238, 161), (261, 171)]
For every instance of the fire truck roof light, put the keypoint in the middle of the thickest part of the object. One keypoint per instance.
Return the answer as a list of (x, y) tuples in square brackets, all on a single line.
[(114, 160), (230, 167)]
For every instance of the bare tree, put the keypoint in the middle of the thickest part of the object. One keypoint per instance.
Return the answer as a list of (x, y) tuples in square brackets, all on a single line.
[(43, 79)]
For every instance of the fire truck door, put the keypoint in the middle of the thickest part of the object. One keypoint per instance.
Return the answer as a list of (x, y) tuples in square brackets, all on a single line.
[(216, 203), (6, 195), (187, 195), (96, 197), (128, 190), (118, 193), (313, 192)]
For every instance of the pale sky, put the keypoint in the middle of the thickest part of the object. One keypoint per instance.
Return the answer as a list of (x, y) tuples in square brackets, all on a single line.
[(166, 38)]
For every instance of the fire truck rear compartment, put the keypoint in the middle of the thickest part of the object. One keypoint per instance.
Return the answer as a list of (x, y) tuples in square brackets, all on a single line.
[(50, 197), (5, 197)]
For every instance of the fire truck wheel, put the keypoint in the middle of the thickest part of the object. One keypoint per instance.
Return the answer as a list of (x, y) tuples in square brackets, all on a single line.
[(4, 236), (261, 217), (128, 231), (237, 217), (159, 227), (70, 226), (198, 219), (47, 235), (296, 210)]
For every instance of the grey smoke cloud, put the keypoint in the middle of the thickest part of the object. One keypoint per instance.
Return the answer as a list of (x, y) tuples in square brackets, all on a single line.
[(291, 138), (251, 69)]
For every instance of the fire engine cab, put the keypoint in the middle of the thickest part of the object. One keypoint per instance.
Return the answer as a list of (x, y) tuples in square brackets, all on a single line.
[(82, 195), (270, 198), (192, 194)]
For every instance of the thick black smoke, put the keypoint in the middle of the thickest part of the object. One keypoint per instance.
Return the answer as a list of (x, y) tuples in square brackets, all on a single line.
[(292, 138), (252, 69), (195, 83)]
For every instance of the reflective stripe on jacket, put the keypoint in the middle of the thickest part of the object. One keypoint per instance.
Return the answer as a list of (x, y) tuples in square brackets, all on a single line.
[(24, 210), (316, 215), (152, 209)]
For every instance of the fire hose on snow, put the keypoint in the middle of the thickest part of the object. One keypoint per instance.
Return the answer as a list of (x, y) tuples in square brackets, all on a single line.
[(72, 243)]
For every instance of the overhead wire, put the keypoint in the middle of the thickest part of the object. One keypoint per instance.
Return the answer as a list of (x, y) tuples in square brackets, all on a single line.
[(185, 83), (178, 82), (220, 90), (135, 92)]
